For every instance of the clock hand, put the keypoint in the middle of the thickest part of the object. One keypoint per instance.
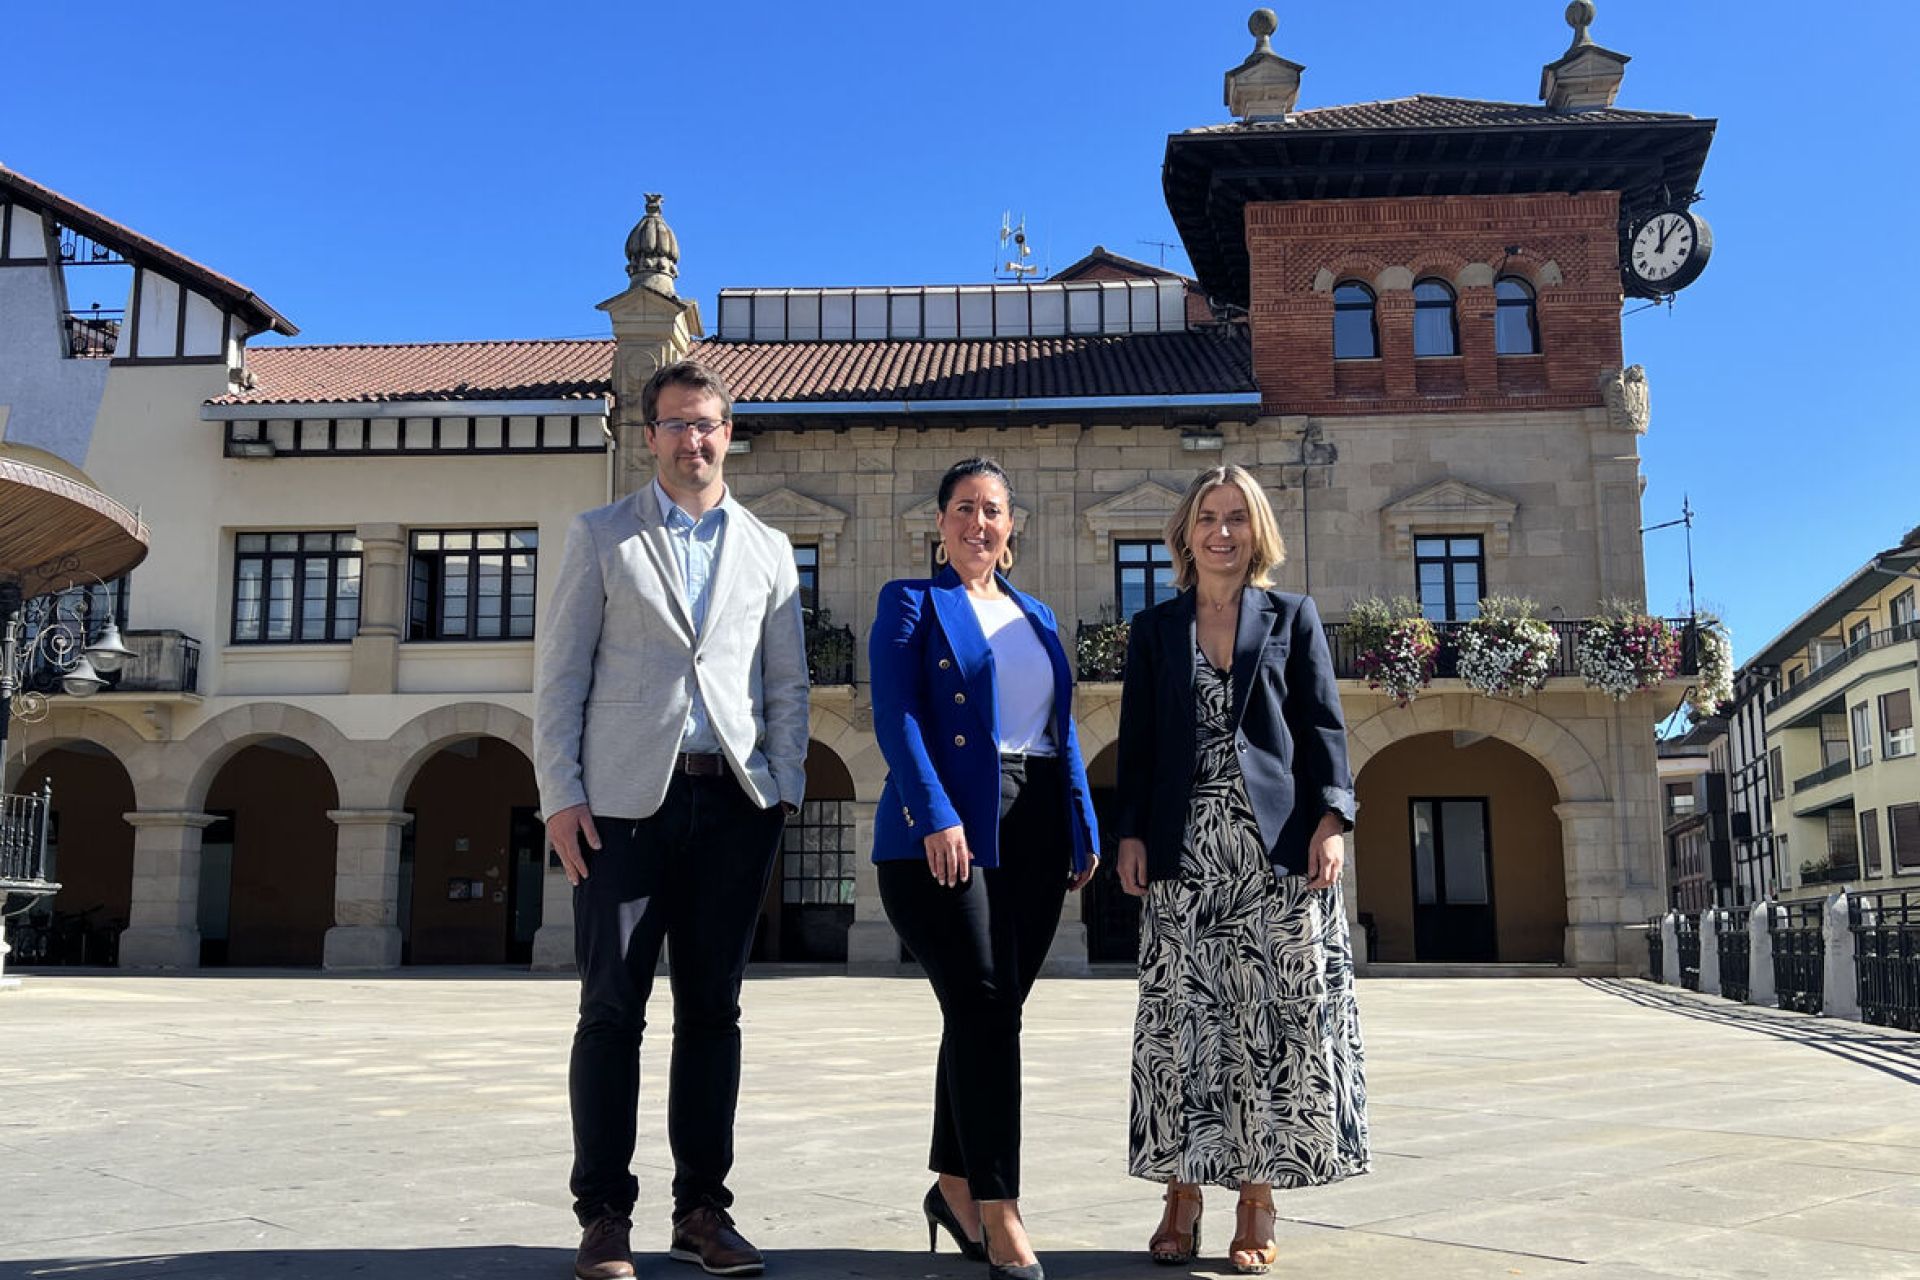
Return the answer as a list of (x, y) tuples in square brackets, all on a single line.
[(1666, 229)]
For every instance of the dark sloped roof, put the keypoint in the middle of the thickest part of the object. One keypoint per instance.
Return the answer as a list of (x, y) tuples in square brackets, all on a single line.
[(1433, 111), (139, 249), (535, 370)]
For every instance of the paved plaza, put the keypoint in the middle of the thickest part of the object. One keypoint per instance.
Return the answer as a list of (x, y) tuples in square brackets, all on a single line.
[(416, 1125)]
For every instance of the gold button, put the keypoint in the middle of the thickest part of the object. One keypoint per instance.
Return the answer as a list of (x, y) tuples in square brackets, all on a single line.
[(944, 664), (959, 739), (959, 697)]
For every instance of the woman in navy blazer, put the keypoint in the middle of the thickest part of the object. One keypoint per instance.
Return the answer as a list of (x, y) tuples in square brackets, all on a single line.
[(984, 825), (1234, 798)]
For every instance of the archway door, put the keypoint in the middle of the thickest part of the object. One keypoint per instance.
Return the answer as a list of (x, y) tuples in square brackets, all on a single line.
[(1457, 853), (471, 859), (1111, 915), (809, 903), (267, 862), (92, 848)]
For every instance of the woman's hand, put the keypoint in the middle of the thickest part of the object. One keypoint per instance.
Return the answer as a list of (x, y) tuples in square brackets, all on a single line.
[(1079, 881), (1132, 866), (948, 856), (1326, 852)]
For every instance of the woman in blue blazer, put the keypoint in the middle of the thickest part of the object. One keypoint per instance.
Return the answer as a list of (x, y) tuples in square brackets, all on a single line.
[(1234, 799), (984, 825)]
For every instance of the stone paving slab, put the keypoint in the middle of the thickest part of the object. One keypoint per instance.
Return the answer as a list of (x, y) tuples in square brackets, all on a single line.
[(320, 1126)]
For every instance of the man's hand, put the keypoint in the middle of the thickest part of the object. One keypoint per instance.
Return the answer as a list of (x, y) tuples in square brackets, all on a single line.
[(564, 830), (948, 856), (1133, 866), (1326, 852)]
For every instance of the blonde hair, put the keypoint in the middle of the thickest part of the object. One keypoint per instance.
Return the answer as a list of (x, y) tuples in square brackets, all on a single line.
[(1269, 549)]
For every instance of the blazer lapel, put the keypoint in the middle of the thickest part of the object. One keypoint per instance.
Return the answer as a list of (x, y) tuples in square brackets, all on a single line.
[(726, 567), (968, 641), (1249, 640), (653, 535)]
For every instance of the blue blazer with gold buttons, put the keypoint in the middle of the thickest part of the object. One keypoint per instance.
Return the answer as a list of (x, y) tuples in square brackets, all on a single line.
[(935, 713)]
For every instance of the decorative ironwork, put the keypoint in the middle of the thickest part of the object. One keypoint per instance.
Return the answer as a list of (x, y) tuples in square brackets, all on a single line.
[(1798, 942), (829, 651), (77, 250), (1656, 949), (1886, 956), (1686, 930), (26, 859), (94, 334), (1736, 953)]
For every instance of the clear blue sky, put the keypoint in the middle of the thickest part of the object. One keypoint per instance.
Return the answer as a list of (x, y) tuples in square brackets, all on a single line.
[(412, 171)]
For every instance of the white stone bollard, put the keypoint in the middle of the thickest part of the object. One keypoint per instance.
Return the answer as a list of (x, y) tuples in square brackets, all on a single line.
[(1710, 952), (6, 983), (1670, 949), (1760, 956), (1840, 987)]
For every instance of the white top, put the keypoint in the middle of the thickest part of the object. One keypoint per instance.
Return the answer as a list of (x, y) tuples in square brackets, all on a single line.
[(1023, 677)]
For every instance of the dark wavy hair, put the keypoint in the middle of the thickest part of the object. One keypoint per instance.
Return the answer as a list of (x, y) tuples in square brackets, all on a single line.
[(973, 467)]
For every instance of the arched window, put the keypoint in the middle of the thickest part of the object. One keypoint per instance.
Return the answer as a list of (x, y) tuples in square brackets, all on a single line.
[(1516, 329), (1434, 332), (1354, 337)]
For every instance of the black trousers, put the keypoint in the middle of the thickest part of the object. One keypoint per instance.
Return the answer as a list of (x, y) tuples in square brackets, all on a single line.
[(693, 874), (982, 943)]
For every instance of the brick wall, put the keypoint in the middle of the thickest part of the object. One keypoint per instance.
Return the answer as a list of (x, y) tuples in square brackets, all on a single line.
[(1568, 247)]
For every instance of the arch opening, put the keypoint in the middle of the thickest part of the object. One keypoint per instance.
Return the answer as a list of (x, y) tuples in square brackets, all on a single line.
[(267, 861), (473, 859), (91, 851)]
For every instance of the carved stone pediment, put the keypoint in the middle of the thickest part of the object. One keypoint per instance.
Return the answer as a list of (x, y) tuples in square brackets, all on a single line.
[(802, 519), (918, 520), (1450, 506), (1142, 509)]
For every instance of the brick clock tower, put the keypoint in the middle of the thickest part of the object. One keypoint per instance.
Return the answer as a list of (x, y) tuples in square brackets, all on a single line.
[(1433, 288)]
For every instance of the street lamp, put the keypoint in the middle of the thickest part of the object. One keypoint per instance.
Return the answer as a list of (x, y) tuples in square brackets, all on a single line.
[(59, 647)]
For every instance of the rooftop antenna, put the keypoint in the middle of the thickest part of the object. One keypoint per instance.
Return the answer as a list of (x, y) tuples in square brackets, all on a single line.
[(1162, 246), (1011, 262)]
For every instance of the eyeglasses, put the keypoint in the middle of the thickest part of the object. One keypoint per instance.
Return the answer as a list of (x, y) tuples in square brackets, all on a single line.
[(680, 427)]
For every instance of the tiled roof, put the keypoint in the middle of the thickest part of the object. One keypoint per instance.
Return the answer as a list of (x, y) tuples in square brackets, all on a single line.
[(514, 370), (1430, 111), (1156, 364), (1145, 364), (135, 247)]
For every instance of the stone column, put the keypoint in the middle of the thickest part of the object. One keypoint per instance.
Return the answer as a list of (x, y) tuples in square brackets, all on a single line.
[(1669, 950), (553, 940), (383, 609), (1600, 906), (1760, 955), (1710, 952), (366, 889), (872, 945), (652, 328), (163, 925), (1840, 987)]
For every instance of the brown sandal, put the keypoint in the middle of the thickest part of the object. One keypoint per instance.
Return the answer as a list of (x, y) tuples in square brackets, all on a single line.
[(1171, 1245), (1251, 1253)]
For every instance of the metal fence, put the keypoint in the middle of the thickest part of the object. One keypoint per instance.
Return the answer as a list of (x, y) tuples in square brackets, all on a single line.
[(1735, 949), (1656, 949), (1886, 961), (1687, 943), (1799, 954), (23, 840)]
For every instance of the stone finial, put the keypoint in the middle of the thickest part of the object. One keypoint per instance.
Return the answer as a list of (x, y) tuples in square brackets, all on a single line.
[(653, 251), (1266, 85), (1586, 76)]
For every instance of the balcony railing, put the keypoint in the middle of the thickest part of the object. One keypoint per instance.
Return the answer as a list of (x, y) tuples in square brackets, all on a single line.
[(93, 334), (1686, 933), (830, 654), (1886, 959), (162, 662), (1838, 769), (1735, 947), (25, 876), (1799, 955), (1866, 644)]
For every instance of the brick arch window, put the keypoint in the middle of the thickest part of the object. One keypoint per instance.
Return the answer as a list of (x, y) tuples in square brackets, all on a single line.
[(1516, 325), (1435, 332), (1355, 336)]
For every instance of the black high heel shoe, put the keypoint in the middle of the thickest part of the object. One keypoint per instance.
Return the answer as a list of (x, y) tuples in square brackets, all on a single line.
[(1008, 1270), (940, 1214)]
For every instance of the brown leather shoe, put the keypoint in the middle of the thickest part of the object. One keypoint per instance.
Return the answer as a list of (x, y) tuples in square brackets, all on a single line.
[(606, 1249), (706, 1237)]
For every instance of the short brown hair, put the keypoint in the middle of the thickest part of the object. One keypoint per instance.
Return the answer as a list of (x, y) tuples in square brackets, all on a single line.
[(1269, 549), (685, 373)]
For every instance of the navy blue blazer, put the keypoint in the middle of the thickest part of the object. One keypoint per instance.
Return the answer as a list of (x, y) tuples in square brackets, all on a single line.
[(935, 715), (1288, 727)]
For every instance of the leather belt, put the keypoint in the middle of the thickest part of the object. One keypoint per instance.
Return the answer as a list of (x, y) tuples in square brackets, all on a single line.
[(704, 764)]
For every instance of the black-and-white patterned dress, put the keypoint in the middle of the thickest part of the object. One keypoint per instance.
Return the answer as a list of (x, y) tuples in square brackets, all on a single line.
[(1247, 1062)]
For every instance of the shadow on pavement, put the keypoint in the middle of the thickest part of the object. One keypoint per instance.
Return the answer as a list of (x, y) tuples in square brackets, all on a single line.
[(1895, 1053)]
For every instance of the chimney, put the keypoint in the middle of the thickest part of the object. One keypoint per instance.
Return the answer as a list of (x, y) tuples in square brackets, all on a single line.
[(1266, 85), (1586, 77)]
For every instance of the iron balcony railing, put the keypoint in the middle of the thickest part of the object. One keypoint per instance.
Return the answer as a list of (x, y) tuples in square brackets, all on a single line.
[(1865, 644), (1886, 956), (1838, 769), (93, 334), (1656, 948), (1799, 954), (1687, 942), (1346, 653), (26, 870), (162, 662), (1735, 949), (830, 654)]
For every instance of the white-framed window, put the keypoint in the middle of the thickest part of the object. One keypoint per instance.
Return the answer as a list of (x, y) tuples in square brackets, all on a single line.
[(1896, 724), (1862, 735)]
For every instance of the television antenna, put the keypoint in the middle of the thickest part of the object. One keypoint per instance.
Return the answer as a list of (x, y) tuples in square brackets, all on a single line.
[(1011, 262)]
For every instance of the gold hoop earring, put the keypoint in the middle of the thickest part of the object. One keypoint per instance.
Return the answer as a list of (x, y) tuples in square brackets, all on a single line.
[(940, 553), (1006, 558)]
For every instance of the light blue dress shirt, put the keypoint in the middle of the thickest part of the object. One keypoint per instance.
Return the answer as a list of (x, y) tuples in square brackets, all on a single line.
[(697, 544)]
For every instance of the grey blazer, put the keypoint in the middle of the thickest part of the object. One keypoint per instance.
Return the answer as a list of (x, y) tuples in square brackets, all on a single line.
[(618, 657)]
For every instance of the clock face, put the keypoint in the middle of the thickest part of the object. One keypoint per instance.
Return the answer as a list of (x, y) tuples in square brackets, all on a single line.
[(1664, 249)]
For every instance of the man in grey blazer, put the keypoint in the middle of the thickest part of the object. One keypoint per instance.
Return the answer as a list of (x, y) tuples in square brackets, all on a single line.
[(670, 740)]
